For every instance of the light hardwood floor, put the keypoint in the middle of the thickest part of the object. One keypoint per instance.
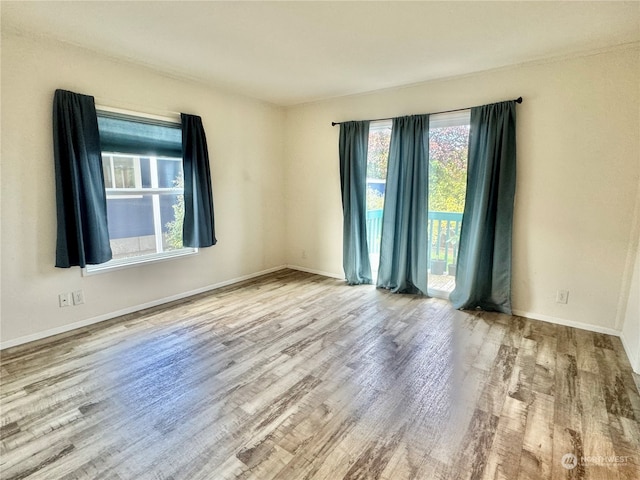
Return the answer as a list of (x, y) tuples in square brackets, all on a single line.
[(296, 376)]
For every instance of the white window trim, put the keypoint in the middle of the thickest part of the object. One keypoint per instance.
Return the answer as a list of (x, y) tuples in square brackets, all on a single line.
[(130, 262), (173, 118), (377, 125), (451, 119)]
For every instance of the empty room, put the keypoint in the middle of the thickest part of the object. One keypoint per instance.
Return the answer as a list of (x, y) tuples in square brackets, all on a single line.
[(320, 240)]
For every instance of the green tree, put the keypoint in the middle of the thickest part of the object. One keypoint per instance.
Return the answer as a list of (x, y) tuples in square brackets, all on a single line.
[(378, 154), (173, 235), (377, 158), (448, 151)]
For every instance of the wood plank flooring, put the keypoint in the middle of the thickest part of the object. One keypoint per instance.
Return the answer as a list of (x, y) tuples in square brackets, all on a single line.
[(294, 376)]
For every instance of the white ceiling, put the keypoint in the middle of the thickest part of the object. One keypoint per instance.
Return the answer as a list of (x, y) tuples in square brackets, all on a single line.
[(295, 52)]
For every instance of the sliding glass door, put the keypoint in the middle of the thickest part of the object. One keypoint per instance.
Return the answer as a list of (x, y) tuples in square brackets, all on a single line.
[(448, 153), (448, 150)]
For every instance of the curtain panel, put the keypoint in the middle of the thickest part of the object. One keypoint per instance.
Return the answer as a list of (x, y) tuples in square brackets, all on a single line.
[(484, 258), (403, 246), (81, 203), (353, 146), (199, 223)]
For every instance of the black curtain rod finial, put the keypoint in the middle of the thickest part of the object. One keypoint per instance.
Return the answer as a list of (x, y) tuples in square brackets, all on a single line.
[(519, 100)]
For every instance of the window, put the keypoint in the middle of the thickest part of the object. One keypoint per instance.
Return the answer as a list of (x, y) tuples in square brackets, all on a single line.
[(142, 167)]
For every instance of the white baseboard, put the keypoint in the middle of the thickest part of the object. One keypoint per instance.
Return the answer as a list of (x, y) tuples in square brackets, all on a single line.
[(567, 323), (317, 272), (154, 303)]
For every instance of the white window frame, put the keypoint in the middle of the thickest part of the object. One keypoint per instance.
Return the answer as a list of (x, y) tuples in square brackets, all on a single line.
[(154, 190)]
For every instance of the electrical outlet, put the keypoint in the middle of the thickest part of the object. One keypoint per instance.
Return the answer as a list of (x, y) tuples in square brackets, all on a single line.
[(78, 297), (64, 299), (562, 296), (304, 254)]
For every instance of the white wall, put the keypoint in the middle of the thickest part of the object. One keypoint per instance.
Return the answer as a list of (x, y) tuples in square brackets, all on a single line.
[(631, 327), (630, 310), (245, 140), (578, 169)]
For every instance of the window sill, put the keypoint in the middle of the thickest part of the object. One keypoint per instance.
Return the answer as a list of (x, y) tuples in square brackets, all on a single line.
[(123, 263)]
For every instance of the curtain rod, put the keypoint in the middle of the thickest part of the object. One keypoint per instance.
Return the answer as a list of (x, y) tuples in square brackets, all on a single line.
[(517, 100)]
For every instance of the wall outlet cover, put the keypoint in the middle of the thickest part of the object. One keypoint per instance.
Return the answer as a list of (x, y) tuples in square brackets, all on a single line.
[(64, 299), (78, 297), (562, 296)]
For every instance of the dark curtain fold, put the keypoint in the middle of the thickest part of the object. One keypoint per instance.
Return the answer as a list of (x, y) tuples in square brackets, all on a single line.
[(403, 247), (199, 226), (81, 202), (484, 259), (353, 145)]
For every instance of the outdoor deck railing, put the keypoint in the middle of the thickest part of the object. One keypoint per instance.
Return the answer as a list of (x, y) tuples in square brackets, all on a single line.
[(374, 230), (443, 233)]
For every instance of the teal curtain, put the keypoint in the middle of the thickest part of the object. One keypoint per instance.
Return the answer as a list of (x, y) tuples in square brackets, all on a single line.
[(198, 229), (403, 247), (483, 277), (353, 145), (81, 201)]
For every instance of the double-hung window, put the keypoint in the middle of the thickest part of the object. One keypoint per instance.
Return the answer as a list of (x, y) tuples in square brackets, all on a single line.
[(143, 180)]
